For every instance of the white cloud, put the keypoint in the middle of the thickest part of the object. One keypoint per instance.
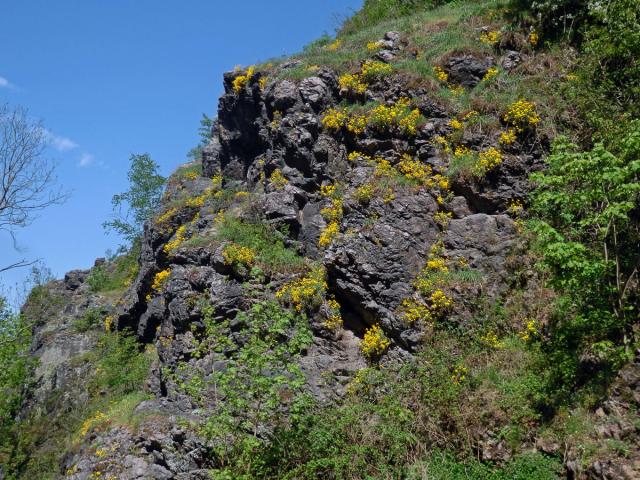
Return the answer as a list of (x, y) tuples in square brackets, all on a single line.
[(85, 160), (62, 144), (4, 83)]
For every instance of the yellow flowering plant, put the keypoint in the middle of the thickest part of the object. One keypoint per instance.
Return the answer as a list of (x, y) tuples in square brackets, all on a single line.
[(305, 293), (277, 180), (238, 256), (375, 342), (521, 115), (240, 82)]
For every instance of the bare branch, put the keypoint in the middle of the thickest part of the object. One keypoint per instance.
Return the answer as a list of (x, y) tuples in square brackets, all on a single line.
[(28, 183), (18, 264)]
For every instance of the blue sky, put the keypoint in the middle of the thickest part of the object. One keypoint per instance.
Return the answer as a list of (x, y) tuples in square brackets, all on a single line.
[(112, 78)]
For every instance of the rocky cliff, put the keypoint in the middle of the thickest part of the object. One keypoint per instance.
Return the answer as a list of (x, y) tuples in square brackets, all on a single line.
[(338, 223)]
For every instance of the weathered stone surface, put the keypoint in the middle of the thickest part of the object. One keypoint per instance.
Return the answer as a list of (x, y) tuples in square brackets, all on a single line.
[(467, 70), (371, 266)]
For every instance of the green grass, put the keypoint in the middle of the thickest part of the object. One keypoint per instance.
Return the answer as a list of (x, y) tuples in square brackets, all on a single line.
[(91, 319), (271, 253), (444, 466), (117, 274), (186, 170)]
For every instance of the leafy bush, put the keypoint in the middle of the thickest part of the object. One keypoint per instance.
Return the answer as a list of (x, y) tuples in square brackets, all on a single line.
[(115, 351), (92, 318), (17, 366), (262, 383), (444, 466), (588, 233)]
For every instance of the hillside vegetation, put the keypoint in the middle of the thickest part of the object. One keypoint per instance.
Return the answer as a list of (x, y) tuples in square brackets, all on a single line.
[(410, 251)]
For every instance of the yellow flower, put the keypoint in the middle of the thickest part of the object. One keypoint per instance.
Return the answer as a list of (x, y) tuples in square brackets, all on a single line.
[(414, 311), (352, 83), (456, 90), (459, 374), (277, 179), (88, 424), (108, 323), (327, 190), (353, 156), (364, 193), (438, 264), (177, 240), (414, 169), (237, 255), (521, 114), (328, 234), (530, 331), (491, 74), (372, 69), (534, 38), (441, 74), (461, 151), (508, 137), (515, 208), (442, 142), (357, 124), (375, 342), (306, 292), (334, 318), (491, 339), (241, 80), (371, 46), (398, 115), (333, 46), (216, 182), (490, 38), (487, 161), (456, 124), (442, 218), (166, 216), (334, 212), (440, 302), (160, 279), (334, 119)]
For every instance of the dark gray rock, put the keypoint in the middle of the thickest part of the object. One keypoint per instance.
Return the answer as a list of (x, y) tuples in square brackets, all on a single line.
[(467, 70), (511, 59), (75, 278)]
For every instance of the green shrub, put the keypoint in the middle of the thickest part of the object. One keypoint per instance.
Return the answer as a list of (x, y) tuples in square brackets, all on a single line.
[(588, 233), (117, 274), (121, 367), (15, 375), (444, 466), (91, 319), (267, 243), (261, 385)]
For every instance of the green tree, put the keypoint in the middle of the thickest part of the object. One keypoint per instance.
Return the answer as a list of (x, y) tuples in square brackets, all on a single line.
[(204, 131), (17, 365), (133, 207), (588, 210)]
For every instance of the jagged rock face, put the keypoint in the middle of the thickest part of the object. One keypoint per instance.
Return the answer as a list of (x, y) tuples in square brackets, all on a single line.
[(59, 384), (370, 266)]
